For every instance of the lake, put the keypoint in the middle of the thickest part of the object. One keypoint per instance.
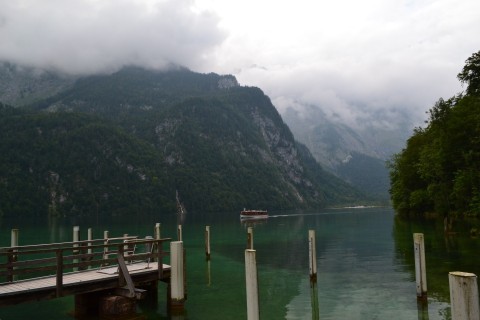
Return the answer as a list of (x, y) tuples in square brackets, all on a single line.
[(364, 258)]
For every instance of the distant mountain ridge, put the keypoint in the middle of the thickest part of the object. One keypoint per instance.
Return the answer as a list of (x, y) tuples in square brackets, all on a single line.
[(356, 155), (221, 145)]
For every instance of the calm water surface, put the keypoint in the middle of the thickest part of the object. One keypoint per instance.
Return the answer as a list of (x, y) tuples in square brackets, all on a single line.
[(364, 260)]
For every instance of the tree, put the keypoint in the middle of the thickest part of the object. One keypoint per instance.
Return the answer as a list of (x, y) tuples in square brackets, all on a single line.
[(439, 168), (471, 74)]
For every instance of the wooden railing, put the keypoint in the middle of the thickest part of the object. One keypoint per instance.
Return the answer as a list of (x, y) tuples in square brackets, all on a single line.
[(47, 260)]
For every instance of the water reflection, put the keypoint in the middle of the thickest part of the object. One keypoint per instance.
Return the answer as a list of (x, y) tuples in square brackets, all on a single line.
[(252, 222), (209, 274), (314, 299), (443, 252), (422, 307), (365, 263)]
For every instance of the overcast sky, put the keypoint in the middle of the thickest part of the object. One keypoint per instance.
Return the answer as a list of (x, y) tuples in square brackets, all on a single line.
[(352, 58)]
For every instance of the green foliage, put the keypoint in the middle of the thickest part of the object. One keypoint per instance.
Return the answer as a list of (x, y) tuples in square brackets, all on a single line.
[(367, 173), (122, 143), (439, 169), (71, 164), (471, 74)]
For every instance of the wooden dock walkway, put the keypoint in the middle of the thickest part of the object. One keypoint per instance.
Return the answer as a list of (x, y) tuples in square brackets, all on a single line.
[(48, 271)]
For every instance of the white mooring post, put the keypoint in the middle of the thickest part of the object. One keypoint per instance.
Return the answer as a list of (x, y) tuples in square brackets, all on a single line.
[(251, 285), (463, 296), (179, 233), (76, 238), (157, 231), (14, 238), (177, 289), (420, 266), (250, 238), (207, 242), (312, 255)]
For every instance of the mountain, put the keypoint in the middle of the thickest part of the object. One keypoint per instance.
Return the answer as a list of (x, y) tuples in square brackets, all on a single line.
[(357, 155), (21, 85), (72, 164), (125, 142)]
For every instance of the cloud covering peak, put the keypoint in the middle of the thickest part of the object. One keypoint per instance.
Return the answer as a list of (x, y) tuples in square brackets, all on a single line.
[(89, 36), (353, 59)]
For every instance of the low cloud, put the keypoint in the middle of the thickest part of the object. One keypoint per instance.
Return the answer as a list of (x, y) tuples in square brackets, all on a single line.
[(358, 60), (89, 36)]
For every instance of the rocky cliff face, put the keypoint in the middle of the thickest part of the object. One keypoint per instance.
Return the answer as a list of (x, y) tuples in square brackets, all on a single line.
[(356, 155), (23, 85), (221, 145)]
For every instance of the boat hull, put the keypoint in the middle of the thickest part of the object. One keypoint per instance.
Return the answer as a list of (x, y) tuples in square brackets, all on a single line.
[(253, 214)]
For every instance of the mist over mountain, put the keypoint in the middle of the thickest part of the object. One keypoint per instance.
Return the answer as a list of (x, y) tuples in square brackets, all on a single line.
[(356, 153), (21, 85), (139, 135)]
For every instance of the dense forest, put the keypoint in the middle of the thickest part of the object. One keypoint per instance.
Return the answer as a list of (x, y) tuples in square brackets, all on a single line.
[(125, 143), (439, 170)]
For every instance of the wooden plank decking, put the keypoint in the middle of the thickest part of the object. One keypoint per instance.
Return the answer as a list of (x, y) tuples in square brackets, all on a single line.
[(77, 282), (76, 278), (60, 263)]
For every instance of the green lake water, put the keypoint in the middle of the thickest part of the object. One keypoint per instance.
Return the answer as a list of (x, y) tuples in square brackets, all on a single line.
[(364, 258)]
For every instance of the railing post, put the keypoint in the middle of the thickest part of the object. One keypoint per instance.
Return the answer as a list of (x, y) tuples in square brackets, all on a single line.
[(463, 296), (159, 258), (59, 285), (105, 248), (420, 266), (89, 251), (12, 258), (76, 238)]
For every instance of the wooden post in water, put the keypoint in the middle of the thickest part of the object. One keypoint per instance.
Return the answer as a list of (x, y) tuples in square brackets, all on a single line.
[(312, 256), (250, 238), (177, 290), (207, 242), (463, 296), (251, 282), (76, 238), (14, 238), (157, 231), (179, 233), (420, 266)]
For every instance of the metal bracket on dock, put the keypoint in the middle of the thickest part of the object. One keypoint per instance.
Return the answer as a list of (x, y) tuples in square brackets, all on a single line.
[(125, 292)]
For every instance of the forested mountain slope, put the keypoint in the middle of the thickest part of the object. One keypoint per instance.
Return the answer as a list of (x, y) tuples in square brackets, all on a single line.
[(124, 142)]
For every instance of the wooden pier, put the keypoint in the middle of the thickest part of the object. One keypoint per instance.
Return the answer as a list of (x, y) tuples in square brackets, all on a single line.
[(114, 266)]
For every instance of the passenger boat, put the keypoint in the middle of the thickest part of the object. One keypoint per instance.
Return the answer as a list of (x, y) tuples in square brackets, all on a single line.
[(253, 214)]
